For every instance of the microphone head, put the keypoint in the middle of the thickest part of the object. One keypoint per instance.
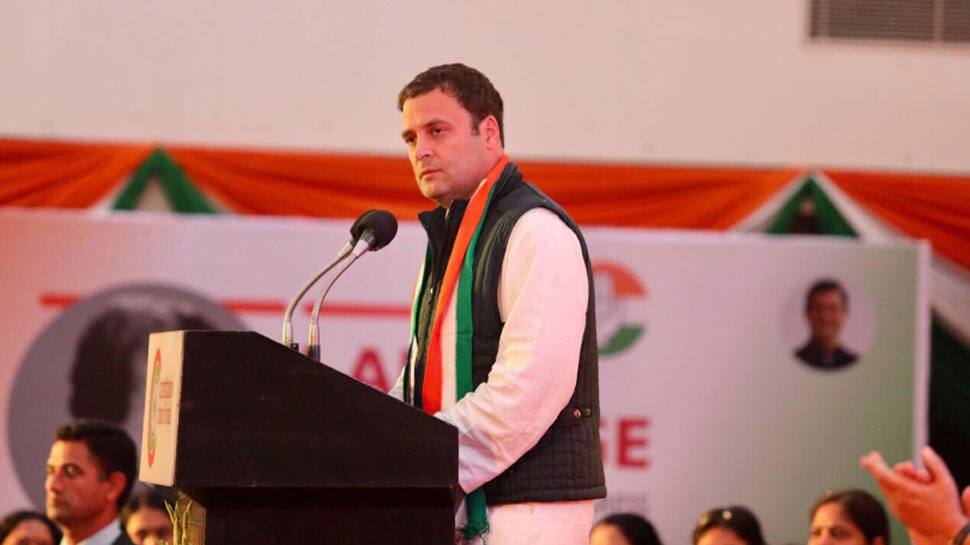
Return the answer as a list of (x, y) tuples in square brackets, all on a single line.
[(357, 228), (381, 223)]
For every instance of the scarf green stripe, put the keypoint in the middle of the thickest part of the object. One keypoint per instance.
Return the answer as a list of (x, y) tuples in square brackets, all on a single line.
[(464, 329), (412, 334)]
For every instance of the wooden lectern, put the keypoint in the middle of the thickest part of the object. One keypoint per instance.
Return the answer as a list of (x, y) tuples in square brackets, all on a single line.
[(273, 447)]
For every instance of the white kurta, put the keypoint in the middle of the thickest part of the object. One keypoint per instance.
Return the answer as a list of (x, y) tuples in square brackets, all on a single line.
[(543, 293)]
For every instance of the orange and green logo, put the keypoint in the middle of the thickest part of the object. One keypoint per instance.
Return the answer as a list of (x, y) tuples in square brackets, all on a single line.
[(152, 430), (619, 293)]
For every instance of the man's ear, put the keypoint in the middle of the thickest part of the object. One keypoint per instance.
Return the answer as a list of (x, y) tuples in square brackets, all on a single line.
[(489, 128), (117, 482)]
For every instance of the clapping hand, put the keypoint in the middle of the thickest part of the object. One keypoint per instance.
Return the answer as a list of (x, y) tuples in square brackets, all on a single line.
[(925, 500)]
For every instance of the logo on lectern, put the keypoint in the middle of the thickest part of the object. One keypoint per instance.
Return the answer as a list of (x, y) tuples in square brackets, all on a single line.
[(152, 430)]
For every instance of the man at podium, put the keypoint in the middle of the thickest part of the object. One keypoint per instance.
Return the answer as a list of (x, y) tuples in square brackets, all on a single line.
[(503, 333)]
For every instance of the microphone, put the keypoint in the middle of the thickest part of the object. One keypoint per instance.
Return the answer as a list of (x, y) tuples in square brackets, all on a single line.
[(377, 226), (365, 223), (374, 230)]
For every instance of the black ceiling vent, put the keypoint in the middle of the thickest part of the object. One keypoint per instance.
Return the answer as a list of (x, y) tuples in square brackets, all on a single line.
[(935, 21)]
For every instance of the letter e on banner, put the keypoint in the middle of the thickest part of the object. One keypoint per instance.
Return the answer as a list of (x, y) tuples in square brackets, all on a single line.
[(632, 440)]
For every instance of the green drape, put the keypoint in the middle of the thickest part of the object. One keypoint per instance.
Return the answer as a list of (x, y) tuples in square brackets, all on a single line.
[(827, 216), (182, 196), (950, 401)]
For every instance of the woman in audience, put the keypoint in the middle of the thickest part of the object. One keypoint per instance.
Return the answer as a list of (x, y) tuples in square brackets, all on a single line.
[(145, 518), (28, 528), (624, 529), (733, 525), (848, 517)]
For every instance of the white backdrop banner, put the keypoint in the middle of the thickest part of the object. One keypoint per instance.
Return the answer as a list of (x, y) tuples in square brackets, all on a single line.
[(704, 401)]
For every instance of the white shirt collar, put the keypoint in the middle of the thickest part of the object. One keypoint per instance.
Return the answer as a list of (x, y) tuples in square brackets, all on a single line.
[(104, 536)]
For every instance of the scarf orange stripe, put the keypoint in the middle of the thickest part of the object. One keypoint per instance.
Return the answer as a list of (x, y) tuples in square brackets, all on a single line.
[(431, 389)]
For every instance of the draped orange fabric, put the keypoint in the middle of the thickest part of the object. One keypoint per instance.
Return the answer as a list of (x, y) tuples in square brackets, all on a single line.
[(657, 196), (77, 175), (307, 184), (344, 185), (61, 174), (922, 206)]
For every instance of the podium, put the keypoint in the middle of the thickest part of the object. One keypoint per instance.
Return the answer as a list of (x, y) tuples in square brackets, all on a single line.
[(272, 447)]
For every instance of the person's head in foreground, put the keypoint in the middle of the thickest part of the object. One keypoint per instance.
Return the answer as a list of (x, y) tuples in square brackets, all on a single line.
[(848, 517), (28, 528), (624, 529), (145, 518), (732, 525), (90, 472)]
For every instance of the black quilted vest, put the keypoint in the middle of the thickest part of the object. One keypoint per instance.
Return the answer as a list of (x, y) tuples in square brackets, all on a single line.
[(566, 463)]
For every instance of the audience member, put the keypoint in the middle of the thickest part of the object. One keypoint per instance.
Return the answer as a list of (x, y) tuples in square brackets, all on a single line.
[(733, 525), (925, 500), (145, 518), (624, 529), (848, 517), (90, 472), (28, 528)]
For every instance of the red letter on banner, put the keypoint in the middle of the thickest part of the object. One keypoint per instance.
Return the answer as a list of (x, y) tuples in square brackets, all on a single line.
[(369, 370), (629, 440)]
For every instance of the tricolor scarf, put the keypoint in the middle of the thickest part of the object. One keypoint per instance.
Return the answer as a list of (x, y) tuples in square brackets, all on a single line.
[(460, 271)]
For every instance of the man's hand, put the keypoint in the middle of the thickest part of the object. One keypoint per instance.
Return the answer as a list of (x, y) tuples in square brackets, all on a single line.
[(925, 500)]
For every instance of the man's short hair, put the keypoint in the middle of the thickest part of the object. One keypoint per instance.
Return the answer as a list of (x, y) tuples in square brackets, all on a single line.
[(471, 89), (110, 446), (822, 286)]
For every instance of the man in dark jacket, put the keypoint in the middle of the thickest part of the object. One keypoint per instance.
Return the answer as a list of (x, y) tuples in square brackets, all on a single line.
[(503, 342)]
